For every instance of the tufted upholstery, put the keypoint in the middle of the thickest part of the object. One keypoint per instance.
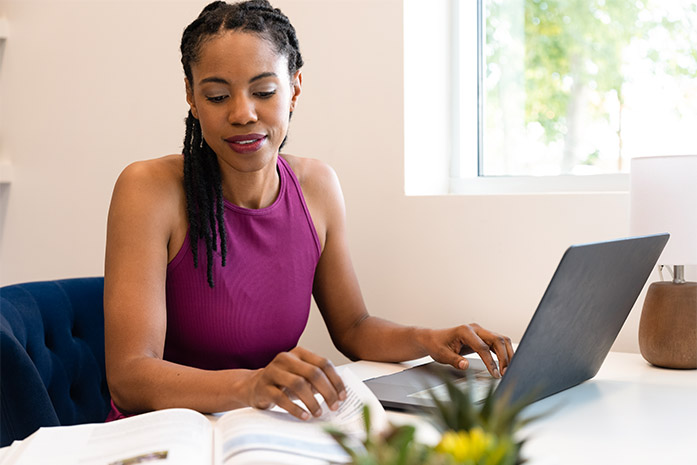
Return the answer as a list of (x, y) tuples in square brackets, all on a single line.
[(51, 356)]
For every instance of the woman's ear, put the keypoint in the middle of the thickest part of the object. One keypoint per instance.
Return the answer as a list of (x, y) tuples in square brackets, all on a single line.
[(190, 98), (295, 89)]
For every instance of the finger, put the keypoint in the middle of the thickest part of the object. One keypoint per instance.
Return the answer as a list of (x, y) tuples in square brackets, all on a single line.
[(509, 350), (463, 363), (323, 377), (282, 400), (302, 390), (453, 359), (503, 348), (449, 346), (488, 359), (499, 346), (482, 348), (294, 377), (497, 343)]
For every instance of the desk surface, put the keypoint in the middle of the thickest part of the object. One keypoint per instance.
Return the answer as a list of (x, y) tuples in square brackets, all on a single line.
[(630, 412)]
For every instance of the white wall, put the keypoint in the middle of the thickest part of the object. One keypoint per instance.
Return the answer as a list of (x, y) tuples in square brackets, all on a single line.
[(87, 87)]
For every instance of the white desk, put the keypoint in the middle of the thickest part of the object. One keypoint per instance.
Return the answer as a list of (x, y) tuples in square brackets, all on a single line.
[(629, 413)]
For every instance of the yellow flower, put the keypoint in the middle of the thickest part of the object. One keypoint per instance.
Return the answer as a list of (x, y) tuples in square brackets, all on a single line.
[(466, 446)]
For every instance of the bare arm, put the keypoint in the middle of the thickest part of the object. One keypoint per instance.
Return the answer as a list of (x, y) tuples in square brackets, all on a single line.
[(359, 335), (146, 213), (141, 223)]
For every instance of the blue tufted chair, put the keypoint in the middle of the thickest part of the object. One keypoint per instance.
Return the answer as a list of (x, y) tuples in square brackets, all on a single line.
[(51, 356)]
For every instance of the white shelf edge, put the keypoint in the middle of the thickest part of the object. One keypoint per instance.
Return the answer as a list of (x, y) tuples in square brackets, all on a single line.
[(6, 172), (4, 28)]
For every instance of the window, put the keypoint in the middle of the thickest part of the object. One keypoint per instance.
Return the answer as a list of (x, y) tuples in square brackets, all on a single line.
[(540, 95)]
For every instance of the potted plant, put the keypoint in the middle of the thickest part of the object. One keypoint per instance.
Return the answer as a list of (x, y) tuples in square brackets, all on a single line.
[(470, 433)]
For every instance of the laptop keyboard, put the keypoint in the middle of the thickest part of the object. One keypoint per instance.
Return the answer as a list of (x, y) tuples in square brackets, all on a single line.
[(479, 382)]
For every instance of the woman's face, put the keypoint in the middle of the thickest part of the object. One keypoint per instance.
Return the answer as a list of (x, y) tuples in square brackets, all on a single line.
[(242, 95)]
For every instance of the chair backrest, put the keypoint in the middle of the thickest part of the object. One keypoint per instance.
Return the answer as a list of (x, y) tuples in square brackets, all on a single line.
[(51, 356)]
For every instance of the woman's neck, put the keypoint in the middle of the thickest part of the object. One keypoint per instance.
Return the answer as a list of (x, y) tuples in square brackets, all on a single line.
[(252, 190)]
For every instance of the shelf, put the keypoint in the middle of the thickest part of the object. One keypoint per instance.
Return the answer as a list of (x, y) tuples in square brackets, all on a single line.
[(4, 28), (6, 172)]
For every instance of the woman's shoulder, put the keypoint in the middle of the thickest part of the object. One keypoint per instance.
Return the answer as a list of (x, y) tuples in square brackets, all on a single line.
[(322, 192), (164, 169), (156, 182), (312, 173), (157, 174)]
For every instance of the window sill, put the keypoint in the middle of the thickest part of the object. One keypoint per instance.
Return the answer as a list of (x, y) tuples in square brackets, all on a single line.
[(513, 185)]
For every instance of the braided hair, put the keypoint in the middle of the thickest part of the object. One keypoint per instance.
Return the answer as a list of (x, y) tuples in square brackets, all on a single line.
[(202, 180)]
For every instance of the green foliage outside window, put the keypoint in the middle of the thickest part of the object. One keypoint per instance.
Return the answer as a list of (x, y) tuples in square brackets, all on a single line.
[(572, 60)]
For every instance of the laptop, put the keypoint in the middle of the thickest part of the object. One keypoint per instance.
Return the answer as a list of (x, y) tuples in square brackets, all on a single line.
[(583, 309)]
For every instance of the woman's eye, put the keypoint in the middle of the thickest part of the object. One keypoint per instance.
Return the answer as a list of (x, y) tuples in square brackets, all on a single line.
[(265, 94), (216, 98)]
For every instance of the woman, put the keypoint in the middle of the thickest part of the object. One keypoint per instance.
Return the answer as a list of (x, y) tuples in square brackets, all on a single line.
[(212, 257)]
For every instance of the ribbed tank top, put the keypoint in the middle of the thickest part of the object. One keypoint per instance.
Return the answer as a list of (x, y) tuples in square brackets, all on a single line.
[(261, 299)]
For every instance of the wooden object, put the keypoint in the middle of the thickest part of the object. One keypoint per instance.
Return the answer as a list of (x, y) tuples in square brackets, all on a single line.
[(668, 325)]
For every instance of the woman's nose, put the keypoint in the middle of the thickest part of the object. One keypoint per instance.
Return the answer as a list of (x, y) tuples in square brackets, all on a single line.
[(241, 111)]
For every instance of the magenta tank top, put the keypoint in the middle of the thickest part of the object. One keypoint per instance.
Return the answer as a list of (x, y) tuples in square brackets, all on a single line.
[(261, 299)]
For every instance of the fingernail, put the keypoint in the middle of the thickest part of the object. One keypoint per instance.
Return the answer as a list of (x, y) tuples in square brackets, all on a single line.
[(305, 416), (317, 412), (496, 373), (462, 364), (334, 406), (342, 395)]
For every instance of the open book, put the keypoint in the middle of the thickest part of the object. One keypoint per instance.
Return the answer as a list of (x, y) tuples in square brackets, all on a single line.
[(183, 436)]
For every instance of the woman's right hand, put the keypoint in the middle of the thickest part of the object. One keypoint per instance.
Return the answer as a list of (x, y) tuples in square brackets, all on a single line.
[(299, 374)]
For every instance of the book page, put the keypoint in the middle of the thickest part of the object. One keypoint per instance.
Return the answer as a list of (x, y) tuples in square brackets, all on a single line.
[(274, 436), (165, 437), (10, 454)]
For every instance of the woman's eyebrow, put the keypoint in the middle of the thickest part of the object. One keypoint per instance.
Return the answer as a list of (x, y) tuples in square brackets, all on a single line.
[(219, 80), (262, 76), (214, 79)]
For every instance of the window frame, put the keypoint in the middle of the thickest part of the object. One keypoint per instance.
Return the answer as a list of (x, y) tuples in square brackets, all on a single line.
[(457, 173)]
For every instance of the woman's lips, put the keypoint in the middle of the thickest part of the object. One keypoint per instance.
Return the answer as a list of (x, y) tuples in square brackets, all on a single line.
[(246, 143)]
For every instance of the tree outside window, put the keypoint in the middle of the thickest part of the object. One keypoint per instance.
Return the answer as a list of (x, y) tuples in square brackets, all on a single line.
[(579, 87)]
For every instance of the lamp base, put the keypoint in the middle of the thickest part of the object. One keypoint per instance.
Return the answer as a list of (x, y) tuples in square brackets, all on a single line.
[(668, 325)]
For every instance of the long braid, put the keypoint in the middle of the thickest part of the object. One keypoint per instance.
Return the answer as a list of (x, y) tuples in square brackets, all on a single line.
[(204, 205), (189, 180), (202, 178)]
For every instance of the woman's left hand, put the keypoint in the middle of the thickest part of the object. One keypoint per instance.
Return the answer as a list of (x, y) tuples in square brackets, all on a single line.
[(449, 345)]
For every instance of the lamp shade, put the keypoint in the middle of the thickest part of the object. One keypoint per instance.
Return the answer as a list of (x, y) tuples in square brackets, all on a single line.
[(663, 198)]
